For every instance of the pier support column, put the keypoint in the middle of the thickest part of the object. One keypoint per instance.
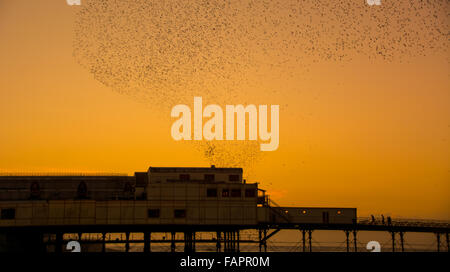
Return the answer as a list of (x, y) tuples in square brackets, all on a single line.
[(103, 242), (310, 240), (438, 240), (393, 241), (225, 246), (172, 243), (127, 242), (355, 240), (225, 241), (265, 240), (233, 241), (147, 239), (230, 241), (347, 240), (304, 240), (218, 241), (188, 241), (402, 241)]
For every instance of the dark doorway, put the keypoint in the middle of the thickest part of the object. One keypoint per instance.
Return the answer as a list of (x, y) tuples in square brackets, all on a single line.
[(325, 217)]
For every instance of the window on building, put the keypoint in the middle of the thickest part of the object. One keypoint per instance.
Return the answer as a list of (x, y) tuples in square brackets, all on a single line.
[(185, 177), (250, 193), (211, 192), (225, 193), (236, 193), (210, 177), (233, 178), (179, 213), (9, 213), (153, 213)]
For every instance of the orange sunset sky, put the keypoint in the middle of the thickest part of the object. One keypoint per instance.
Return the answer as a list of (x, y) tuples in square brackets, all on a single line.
[(366, 131)]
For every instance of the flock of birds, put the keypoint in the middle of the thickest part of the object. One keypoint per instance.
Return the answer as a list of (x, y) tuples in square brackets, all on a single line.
[(164, 52)]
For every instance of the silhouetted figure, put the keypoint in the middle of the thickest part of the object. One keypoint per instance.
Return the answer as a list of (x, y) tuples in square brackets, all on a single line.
[(382, 219), (389, 220), (373, 219)]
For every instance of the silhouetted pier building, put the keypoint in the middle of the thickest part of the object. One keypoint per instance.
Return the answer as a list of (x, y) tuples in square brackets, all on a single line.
[(37, 210)]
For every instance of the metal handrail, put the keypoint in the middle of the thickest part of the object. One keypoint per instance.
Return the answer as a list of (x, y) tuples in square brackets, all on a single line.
[(410, 222)]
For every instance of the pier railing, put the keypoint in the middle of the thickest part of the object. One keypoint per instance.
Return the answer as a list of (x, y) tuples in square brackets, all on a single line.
[(404, 222)]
